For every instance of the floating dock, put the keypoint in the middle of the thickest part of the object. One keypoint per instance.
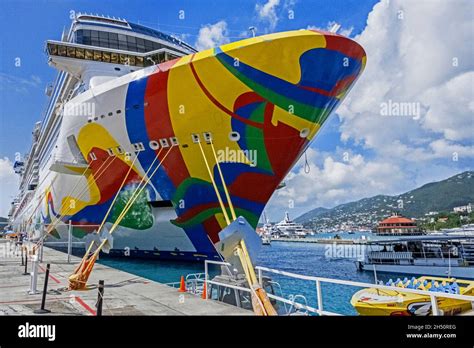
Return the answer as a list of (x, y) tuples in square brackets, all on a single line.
[(124, 294)]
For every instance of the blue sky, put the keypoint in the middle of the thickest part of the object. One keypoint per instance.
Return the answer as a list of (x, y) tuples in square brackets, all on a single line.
[(359, 152)]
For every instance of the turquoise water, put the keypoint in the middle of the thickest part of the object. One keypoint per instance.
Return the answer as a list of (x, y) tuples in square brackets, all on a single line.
[(300, 258)]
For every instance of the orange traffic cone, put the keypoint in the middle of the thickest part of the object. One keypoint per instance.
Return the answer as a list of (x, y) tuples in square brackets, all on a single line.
[(182, 285), (204, 292)]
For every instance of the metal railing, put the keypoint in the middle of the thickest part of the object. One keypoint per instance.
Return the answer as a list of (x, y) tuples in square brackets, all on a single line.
[(317, 281)]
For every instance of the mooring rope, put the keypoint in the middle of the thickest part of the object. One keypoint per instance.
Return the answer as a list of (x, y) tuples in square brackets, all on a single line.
[(219, 198)]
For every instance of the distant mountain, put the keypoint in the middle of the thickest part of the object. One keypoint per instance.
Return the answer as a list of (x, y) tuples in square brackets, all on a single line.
[(311, 214), (436, 196)]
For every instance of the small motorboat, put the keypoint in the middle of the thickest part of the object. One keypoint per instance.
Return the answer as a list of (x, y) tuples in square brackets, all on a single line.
[(373, 301)]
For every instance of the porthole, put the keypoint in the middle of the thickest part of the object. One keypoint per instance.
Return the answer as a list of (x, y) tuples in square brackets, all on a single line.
[(234, 136), (304, 132), (164, 143), (96, 118), (110, 113), (195, 138), (110, 151), (119, 150), (119, 111), (154, 145), (102, 116)]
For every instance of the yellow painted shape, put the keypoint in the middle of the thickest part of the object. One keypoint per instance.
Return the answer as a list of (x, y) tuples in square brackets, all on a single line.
[(277, 54), (283, 116), (220, 82), (199, 115)]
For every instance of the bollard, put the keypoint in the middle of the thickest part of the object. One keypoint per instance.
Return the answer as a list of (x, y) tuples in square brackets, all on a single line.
[(26, 264), (42, 310), (100, 298), (34, 275)]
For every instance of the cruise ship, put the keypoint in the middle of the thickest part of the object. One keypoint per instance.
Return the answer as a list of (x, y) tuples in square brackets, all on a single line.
[(131, 104)]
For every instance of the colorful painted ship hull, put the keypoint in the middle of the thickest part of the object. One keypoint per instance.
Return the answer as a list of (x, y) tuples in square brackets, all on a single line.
[(262, 100)]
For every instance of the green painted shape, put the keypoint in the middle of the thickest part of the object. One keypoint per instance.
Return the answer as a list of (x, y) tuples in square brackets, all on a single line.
[(206, 214), (139, 216)]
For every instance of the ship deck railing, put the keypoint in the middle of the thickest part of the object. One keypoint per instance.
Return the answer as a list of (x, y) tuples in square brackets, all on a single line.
[(316, 284)]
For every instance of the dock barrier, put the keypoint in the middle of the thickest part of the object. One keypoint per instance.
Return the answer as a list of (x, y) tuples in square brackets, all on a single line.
[(100, 298), (43, 310)]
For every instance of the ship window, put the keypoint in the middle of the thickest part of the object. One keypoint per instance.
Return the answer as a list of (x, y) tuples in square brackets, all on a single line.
[(123, 58), (98, 56), (122, 37), (113, 36), (86, 33), (62, 50), (79, 53), (53, 49), (111, 152), (139, 61), (114, 57), (119, 111), (113, 44), (71, 52), (131, 39), (103, 35), (119, 150), (86, 40), (94, 34), (123, 46), (164, 143), (94, 42), (92, 156), (106, 57), (110, 114), (131, 60), (89, 54)]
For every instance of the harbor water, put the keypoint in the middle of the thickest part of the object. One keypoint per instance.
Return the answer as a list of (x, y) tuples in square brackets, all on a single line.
[(300, 258)]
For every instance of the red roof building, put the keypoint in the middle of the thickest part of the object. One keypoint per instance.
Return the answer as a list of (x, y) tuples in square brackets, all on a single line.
[(398, 225)]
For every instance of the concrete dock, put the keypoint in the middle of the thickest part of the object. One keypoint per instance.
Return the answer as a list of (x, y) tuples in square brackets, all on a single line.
[(125, 293)]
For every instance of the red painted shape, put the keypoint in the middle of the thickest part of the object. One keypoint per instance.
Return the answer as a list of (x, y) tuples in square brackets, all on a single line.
[(212, 228), (247, 98), (158, 125), (342, 44), (109, 176)]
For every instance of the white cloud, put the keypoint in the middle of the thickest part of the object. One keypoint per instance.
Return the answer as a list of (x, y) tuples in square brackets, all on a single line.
[(212, 35), (8, 185), (417, 52), (267, 13), (410, 60)]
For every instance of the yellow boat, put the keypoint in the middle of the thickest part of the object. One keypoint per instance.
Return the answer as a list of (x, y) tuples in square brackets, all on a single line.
[(372, 301)]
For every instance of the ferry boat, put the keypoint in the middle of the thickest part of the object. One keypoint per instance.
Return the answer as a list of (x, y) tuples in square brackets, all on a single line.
[(442, 256), (131, 103)]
